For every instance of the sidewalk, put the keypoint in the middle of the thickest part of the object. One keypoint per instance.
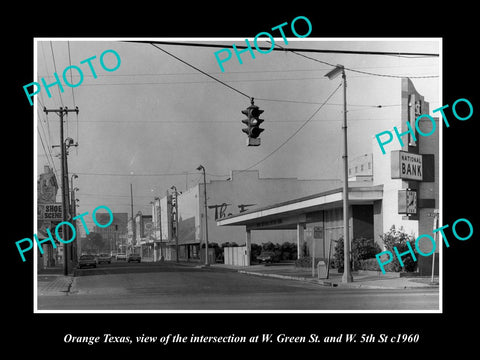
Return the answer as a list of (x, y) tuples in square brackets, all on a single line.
[(361, 279), (53, 284), (51, 281)]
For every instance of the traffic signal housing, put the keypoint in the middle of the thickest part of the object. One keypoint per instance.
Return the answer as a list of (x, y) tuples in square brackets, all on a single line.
[(253, 122)]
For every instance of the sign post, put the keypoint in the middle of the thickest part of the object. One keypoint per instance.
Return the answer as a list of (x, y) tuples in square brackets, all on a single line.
[(317, 234), (435, 226)]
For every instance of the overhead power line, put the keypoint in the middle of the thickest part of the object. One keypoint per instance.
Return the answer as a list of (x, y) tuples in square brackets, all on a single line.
[(367, 72), (71, 76), (55, 67), (297, 131), (145, 174), (127, 174), (357, 52), (203, 72), (296, 52)]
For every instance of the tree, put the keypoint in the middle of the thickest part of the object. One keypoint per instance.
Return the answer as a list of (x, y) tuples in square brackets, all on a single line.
[(269, 246), (255, 250), (229, 244)]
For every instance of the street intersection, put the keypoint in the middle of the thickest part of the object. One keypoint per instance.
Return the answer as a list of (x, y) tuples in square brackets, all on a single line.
[(173, 287)]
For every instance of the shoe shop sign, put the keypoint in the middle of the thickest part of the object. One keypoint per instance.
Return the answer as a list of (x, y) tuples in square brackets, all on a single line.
[(49, 212)]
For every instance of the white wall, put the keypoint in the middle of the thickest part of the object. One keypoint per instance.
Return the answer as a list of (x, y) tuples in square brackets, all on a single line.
[(245, 191)]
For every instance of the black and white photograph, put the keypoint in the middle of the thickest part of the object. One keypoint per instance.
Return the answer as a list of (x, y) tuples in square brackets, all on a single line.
[(214, 181), (209, 175)]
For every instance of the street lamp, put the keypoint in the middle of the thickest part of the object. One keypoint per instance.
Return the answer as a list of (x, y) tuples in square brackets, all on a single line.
[(176, 221), (201, 167), (347, 274)]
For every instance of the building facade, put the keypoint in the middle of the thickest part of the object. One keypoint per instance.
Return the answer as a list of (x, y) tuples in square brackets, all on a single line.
[(49, 214), (245, 190), (397, 189), (114, 235), (410, 174), (140, 236)]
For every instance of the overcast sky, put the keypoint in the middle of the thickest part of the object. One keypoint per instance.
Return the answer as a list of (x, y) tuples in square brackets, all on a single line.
[(156, 116)]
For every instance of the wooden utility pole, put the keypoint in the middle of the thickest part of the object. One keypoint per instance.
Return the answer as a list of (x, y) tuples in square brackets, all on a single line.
[(65, 203)]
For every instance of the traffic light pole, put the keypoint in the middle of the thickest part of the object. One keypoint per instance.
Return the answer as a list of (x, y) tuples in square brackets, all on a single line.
[(61, 112)]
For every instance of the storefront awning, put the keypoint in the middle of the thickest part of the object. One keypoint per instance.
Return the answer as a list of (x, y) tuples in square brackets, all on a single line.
[(287, 214)]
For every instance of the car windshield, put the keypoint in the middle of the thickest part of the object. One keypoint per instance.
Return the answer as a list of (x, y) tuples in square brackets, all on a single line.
[(86, 257)]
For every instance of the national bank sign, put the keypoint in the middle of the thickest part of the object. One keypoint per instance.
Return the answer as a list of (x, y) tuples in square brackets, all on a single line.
[(406, 165)]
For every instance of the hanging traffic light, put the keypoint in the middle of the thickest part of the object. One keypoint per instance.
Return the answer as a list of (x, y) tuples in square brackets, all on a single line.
[(253, 122)]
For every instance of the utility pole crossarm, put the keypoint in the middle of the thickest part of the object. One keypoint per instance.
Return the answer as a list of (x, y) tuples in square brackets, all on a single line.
[(61, 110)]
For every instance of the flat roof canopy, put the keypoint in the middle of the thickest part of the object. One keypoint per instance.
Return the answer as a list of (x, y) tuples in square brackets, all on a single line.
[(288, 214)]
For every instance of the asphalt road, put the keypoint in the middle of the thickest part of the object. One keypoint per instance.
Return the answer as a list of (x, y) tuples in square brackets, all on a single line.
[(155, 286)]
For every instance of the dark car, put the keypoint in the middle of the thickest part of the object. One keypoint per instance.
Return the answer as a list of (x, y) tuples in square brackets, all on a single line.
[(87, 261), (134, 257), (104, 258), (266, 257)]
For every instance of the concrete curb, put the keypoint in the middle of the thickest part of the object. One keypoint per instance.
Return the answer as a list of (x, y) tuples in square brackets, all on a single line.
[(288, 277), (357, 284)]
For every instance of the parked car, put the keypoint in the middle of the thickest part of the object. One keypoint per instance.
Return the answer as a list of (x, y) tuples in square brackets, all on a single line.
[(104, 258), (121, 256), (266, 257), (134, 257), (87, 261)]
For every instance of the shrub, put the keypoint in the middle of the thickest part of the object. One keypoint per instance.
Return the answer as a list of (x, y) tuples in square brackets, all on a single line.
[(372, 264), (285, 251), (399, 238), (337, 260), (289, 250), (306, 262), (362, 249)]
